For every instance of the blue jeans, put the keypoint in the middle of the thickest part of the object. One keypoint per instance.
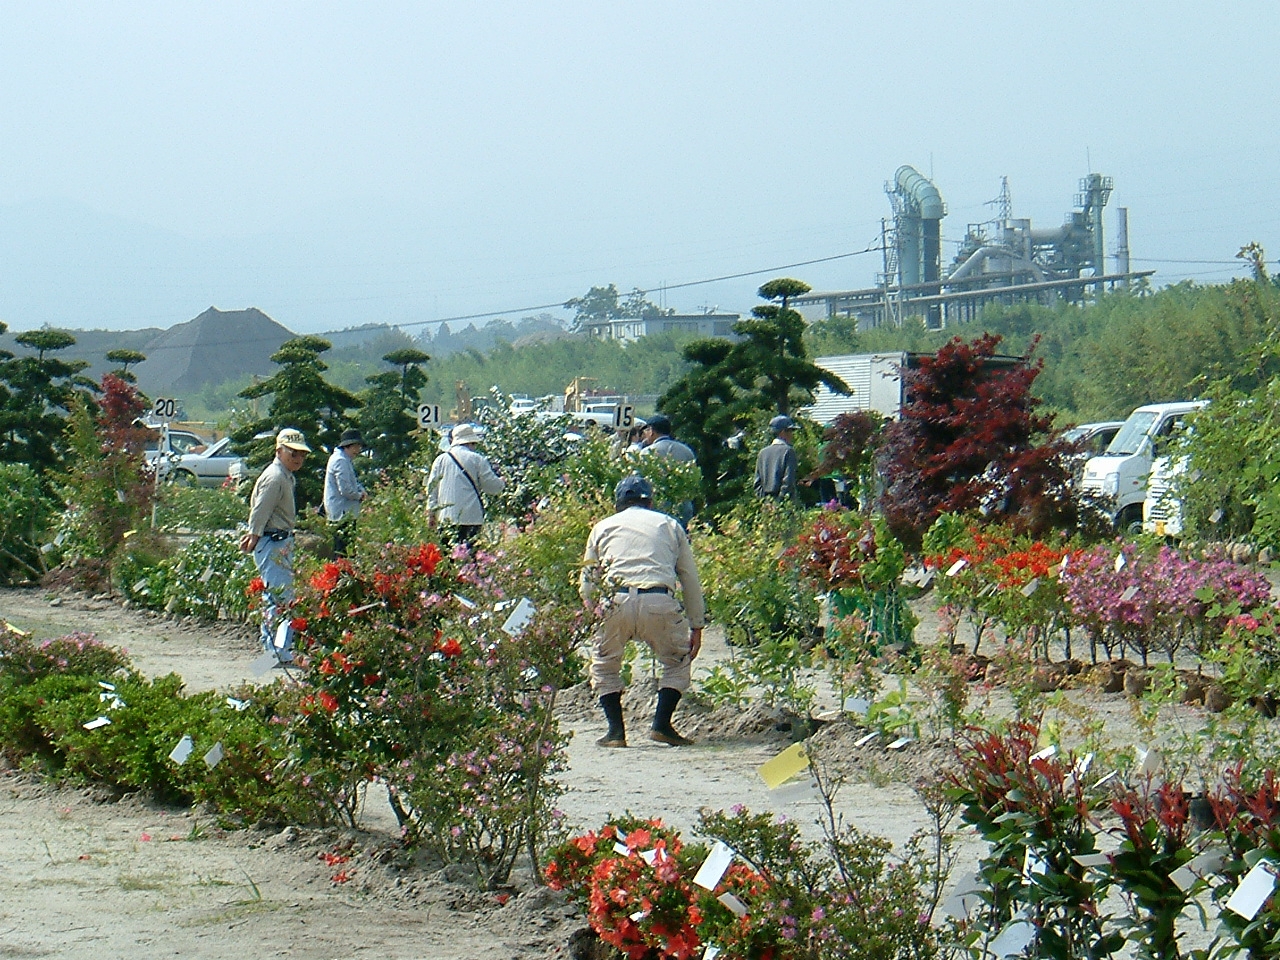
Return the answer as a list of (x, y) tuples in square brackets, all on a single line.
[(274, 560)]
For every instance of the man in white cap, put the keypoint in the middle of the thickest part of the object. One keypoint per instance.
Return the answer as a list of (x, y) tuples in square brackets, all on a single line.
[(272, 511), (459, 477)]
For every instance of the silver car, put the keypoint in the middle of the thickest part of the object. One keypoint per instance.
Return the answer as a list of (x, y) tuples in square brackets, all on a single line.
[(210, 467)]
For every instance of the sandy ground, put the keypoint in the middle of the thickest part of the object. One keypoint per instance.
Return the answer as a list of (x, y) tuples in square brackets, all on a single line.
[(93, 879)]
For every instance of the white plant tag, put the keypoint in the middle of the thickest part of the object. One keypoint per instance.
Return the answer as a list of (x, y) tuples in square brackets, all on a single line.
[(1216, 516), (652, 857), (957, 567), (1129, 594), (99, 722), (1046, 753), (106, 686), (1253, 891), (237, 705), (1032, 864), (1092, 860), (733, 903), (1149, 762), (1014, 938), (863, 741), (183, 750), (283, 632), (711, 952), (469, 604), (1031, 587), (713, 868), (214, 756), (858, 705), (900, 743), (621, 849), (519, 618), (207, 575), (1120, 562)]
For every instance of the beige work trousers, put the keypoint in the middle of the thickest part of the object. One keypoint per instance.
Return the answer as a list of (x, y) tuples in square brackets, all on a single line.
[(655, 619)]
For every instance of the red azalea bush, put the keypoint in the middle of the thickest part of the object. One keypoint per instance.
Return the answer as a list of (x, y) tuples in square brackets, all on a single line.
[(636, 904)]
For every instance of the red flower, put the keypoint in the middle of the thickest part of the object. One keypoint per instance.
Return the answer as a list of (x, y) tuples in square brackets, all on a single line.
[(326, 578), (256, 586), (424, 558), (451, 648), (327, 700), (299, 624)]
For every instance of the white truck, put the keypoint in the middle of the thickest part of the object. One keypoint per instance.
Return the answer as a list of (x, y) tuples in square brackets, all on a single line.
[(874, 381), (1120, 474)]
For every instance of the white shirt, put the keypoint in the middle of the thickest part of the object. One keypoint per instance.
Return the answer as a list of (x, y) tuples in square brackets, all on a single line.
[(451, 494)]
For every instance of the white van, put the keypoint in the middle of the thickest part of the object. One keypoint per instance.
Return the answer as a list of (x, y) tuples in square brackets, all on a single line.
[(1120, 474), (1161, 510)]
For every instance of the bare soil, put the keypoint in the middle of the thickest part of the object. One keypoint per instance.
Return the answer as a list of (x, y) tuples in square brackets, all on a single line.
[(95, 878)]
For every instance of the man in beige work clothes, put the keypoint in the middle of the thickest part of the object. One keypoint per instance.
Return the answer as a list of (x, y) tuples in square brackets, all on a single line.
[(270, 538), (633, 561)]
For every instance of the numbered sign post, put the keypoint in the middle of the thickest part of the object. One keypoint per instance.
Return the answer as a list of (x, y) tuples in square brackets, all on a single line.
[(624, 417), (428, 415), (165, 409)]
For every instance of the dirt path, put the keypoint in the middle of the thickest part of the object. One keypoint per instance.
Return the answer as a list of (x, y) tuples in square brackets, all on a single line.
[(92, 880)]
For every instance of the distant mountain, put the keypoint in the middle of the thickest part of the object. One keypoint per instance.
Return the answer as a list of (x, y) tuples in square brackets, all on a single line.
[(215, 347)]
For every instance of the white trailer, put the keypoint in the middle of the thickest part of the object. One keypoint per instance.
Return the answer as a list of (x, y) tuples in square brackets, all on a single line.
[(874, 381)]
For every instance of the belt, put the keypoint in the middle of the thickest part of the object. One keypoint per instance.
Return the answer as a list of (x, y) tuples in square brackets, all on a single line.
[(277, 535), (665, 590)]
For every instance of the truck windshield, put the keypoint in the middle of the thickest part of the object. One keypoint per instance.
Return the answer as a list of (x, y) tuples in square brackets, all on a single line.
[(1130, 437)]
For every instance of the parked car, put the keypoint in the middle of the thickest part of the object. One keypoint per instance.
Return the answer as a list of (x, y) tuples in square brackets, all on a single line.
[(1120, 473), (1093, 438), (209, 467)]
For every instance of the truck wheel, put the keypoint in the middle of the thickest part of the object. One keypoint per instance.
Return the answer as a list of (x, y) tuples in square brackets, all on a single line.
[(1130, 521)]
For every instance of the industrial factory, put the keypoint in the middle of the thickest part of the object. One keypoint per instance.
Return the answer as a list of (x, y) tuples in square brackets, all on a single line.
[(1003, 260)]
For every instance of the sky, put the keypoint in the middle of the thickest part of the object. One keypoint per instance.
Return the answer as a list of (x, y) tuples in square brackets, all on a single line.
[(337, 164)]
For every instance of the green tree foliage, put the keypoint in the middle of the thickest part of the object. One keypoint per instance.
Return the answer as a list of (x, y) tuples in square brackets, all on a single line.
[(736, 385), (107, 490), (602, 304), (387, 419), (38, 393), (301, 398), (124, 358)]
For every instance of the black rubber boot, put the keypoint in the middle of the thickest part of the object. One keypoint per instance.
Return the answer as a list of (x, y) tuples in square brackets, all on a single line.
[(663, 731), (611, 703)]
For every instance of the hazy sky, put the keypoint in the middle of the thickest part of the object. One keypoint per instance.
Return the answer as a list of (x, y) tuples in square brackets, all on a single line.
[(344, 163)]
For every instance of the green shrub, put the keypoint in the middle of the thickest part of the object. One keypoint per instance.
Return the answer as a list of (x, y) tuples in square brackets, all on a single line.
[(199, 508), (26, 512), (208, 578)]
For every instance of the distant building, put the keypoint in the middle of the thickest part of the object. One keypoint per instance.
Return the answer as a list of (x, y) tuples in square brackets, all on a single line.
[(633, 328)]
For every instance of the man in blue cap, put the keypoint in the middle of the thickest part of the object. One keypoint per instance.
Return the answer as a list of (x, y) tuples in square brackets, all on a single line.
[(633, 561), (776, 463)]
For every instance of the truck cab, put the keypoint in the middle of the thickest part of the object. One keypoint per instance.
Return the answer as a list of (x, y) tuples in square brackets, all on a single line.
[(1121, 472)]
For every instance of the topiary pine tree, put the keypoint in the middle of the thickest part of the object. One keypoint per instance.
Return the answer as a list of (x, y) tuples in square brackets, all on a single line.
[(301, 398), (968, 440), (124, 358), (735, 386), (387, 419), (40, 391)]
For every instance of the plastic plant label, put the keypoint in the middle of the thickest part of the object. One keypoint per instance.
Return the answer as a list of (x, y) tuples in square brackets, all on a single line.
[(733, 903), (107, 686), (1093, 860), (468, 604), (653, 857), (1013, 939), (1032, 864), (622, 850), (1149, 762), (1045, 754), (639, 915), (1031, 587), (214, 756), (957, 567), (519, 618), (900, 743), (99, 722), (362, 608), (1105, 779), (713, 868), (207, 575), (784, 766), (1253, 891), (1120, 562), (796, 791), (926, 578), (858, 705), (183, 750), (1216, 516), (237, 705), (1129, 594), (711, 952), (283, 633), (863, 741)]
